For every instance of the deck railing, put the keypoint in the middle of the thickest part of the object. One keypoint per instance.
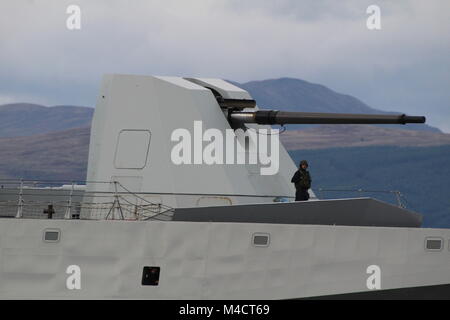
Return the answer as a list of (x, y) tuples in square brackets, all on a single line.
[(387, 195), (70, 200), (59, 199)]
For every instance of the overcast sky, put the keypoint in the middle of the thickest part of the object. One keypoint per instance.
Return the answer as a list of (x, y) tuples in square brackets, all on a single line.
[(404, 67)]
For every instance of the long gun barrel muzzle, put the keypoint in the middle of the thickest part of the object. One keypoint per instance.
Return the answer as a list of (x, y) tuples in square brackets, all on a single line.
[(287, 117)]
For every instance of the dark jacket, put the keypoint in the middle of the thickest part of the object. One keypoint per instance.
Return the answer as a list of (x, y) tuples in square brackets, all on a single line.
[(301, 179)]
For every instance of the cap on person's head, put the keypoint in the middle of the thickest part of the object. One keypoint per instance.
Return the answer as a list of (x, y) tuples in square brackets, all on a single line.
[(303, 162)]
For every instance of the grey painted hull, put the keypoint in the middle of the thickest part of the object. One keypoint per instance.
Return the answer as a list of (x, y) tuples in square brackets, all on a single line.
[(212, 260)]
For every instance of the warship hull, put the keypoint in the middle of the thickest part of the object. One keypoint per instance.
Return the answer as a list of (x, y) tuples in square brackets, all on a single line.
[(218, 260)]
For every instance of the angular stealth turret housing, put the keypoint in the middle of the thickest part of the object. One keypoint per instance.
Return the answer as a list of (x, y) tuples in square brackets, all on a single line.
[(131, 142)]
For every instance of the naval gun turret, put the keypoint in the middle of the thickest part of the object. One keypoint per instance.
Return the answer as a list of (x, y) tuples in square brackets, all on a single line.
[(141, 122)]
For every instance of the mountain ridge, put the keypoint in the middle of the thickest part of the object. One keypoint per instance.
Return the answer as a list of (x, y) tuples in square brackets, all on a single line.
[(292, 94), (27, 119)]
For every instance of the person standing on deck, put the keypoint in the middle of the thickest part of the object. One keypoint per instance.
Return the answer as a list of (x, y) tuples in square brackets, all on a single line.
[(302, 181)]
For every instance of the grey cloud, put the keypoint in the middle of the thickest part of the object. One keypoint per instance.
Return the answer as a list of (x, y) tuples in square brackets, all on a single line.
[(401, 67)]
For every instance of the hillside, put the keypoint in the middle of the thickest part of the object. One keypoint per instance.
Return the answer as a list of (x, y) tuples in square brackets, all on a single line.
[(25, 119), (58, 155), (331, 136), (299, 95)]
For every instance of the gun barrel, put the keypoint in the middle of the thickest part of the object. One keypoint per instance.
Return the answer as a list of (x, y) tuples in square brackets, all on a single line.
[(287, 117)]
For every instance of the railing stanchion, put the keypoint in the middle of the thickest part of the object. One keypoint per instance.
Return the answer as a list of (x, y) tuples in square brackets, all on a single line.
[(68, 214), (116, 205), (20, 203), (399, 199)]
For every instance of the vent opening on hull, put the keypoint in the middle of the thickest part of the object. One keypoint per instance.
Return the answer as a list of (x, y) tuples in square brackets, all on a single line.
[(433, 244), (51, 235), (261, 239)]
